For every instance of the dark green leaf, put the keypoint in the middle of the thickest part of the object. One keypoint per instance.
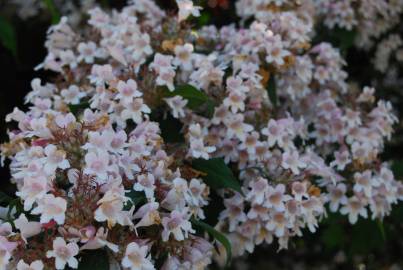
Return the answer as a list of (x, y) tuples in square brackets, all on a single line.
[(381, 229), (216, 235), (171, 130), (7, 36), (50, 5), (94, 259), (195, 97), (4, 198), (218, 175), (365, 237), (77, 108), (333, 236), (397, 168), (272, 90), (136, 198)]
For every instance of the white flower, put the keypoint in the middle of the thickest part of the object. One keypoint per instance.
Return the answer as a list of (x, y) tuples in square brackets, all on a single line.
[(6, 249), (292, 161), (277, 223), (134, 110), (145, 182), (63, 121), (186, 8), (99, 241), (337, 196), (136, 258), (148, 215), (199, 150), (51, 207), (35, 265), (127, 90), (97, 164), (237, 127), (27, 228), (183, 56), (235, 101), (364, 182), (354, 208), (87, 51), (72, 95), (33, 189), (274, 132), (276, 198), (55, 159), (110, 209), (177, 225), (63, 253), (177, 104), (101, 74)]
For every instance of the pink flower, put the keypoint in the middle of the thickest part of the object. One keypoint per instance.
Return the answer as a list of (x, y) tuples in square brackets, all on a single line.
[(51, 207), (63, 253), (127, 90), (177, 225), (97, 164), (136, 257), (186, 8), (292, 161), (35, 265)]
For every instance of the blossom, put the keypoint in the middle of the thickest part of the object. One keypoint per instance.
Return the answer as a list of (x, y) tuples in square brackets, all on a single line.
[(87, 52), (237, 127), (72, 95), (63, 253), (35, 265), (186, 8), (291, 160), (274, 132), (134, 110), (177, 225), (337, 196), (33, 189), (177, 104), (183, 56), (127, 90), (145, 182), (110, 209), (101, 74), (99, 240), (6, 249), (27, 228), (63, 121), (136, 257), (51, 207), (97, 164), (354, 208), (55, 159)]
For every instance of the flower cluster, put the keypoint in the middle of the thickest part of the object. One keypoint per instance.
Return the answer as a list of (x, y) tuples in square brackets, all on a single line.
[(106, 156)]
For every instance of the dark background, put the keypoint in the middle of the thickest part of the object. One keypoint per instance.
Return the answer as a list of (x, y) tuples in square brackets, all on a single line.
[(370, 243)]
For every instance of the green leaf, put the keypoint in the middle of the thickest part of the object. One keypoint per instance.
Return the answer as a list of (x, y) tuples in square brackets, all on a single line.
[(333, 236), (218, 175), (50, 5), (195, 97), (381, 229), (170, 130), (94, 259), (272, 90), (216, 235), (4, 198), (7, 36), (77, 108), (136, 198), (397, 168)]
